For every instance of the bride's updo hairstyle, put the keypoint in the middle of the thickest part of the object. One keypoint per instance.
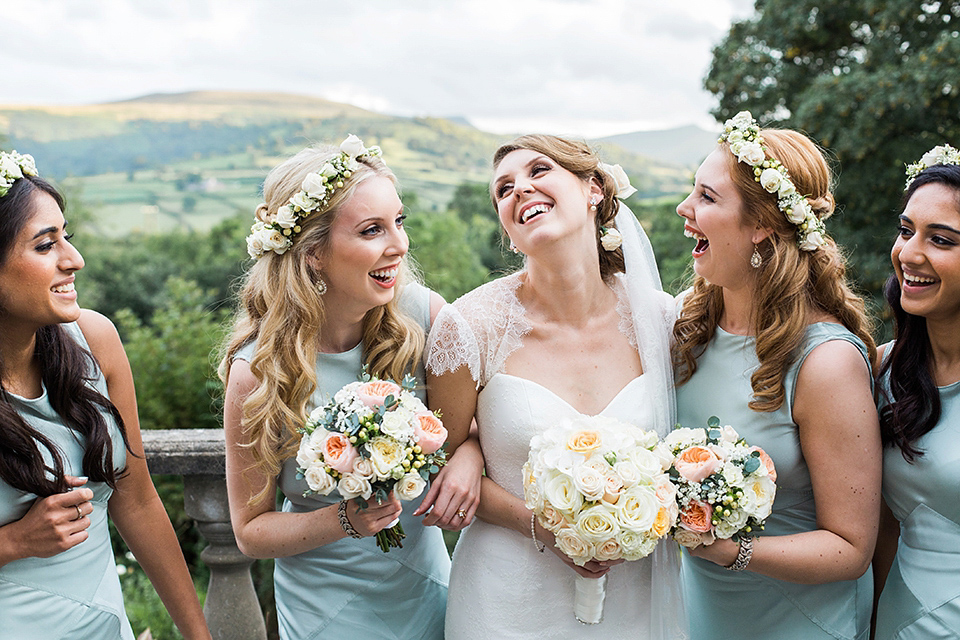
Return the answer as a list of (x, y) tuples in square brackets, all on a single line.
[(579, 159), (792, 284), (281, 309)]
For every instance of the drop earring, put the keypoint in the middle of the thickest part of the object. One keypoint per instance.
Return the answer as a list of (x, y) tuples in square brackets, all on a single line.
[(513, 247), (756, 259), (321, 286), (594, 200)]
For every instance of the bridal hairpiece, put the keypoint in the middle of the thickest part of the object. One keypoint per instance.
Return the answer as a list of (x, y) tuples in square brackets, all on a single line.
[(742, 133), (943, 154), (14, 166), (276, 231), (610, 238)]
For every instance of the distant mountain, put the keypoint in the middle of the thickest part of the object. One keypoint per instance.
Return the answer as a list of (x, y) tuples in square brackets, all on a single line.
[(684, 146), (190, 159)]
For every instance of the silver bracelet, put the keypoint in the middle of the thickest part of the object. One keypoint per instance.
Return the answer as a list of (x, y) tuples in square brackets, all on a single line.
[(344, 522), (533, 533), (743, 555)]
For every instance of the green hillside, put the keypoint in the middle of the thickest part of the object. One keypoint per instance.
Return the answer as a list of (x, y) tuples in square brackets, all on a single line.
[(168, 161)]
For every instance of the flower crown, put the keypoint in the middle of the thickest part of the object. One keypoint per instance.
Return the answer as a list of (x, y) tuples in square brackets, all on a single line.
[(276, 231), (14, 166), (944, 154), (742, 133)]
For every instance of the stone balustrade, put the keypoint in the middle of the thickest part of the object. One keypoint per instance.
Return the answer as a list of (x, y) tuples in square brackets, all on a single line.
[(231, 607)]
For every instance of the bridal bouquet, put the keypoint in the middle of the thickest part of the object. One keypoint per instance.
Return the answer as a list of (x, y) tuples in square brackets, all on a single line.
[(724, 487), (596, 484), (372, 438)]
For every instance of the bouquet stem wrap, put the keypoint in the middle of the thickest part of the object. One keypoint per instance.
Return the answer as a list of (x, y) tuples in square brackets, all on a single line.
[(588, 599)]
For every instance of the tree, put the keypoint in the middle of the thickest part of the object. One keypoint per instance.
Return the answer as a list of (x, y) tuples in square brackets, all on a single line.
[(874, 81)]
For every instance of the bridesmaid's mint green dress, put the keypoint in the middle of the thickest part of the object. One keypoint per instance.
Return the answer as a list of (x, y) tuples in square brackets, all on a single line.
[(723, 604), (921, 597), (349, 588), (74, 595)]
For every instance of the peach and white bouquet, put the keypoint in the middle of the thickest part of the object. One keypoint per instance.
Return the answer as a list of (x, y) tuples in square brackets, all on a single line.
[(596, 484), (724, 486), (375, 436)]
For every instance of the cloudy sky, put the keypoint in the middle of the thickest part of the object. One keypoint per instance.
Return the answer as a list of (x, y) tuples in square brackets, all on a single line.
[(584, 67)]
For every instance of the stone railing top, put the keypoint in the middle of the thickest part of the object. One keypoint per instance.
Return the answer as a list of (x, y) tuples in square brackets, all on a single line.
[(185, 451)]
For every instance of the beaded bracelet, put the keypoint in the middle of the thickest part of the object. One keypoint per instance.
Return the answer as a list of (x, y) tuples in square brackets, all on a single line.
[(344, 522), (744, 554), (533, 533)]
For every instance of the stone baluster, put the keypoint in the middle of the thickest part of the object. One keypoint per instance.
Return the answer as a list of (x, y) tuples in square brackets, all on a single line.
[(231, 607)]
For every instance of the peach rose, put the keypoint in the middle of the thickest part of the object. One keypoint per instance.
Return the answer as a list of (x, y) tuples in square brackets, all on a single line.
[(429, 432), (663, 523), (697, 516), (767, 462), (338, 452), (696, 463), (584, 441), (373, 393)]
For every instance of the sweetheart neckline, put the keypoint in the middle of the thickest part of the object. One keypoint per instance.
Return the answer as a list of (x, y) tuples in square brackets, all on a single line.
[(558, 397)]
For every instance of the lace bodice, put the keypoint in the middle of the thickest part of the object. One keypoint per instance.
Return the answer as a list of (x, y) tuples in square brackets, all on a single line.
[(482, 328)]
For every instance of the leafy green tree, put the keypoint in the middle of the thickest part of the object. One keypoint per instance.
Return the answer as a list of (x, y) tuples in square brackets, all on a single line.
[(440, 244), (874, 81), (471, 203)]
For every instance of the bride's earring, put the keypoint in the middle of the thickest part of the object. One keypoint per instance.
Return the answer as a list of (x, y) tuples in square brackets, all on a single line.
[(756, 259), (594, 201)]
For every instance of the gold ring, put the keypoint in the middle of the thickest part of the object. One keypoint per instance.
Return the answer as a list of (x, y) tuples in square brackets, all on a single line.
[(79, 513), (461, 513)]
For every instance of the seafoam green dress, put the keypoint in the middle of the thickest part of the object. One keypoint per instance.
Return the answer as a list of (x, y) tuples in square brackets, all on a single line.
[(723, 604), (349, 588), (921, 597), (74, 595)]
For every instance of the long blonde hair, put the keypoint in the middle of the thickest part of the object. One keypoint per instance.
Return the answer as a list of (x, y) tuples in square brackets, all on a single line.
[(281, 309), (792, 285)]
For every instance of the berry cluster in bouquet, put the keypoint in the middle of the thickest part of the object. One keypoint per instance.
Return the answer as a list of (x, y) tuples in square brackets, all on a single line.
[(375, 436), (596, 484), (725, 487)]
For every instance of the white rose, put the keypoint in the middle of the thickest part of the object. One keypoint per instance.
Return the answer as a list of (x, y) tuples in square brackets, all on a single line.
[(552, 520), (620, 181), (685, 437), (646, 462), (397, 424), (731, 524), (786, 189), (751, 153), (589, 481), (812, 241), (597, 524), (608, 550), (611, 239), (559, 491), (286, 218), (315, 184), (571, 544), (28, 165), (637, 508), (363, 468), (352, 146), (302, 200), (273, 240), (351, 486), (254, 246), (733, 473), (758, 495), (735, 136), (687, 538), (410, 486), (328, 170), (933, 156), (306, 454), (729, 434), (9, 166), (634, 546), (770, 180), (319, 480), (742, 119), (386, 454)]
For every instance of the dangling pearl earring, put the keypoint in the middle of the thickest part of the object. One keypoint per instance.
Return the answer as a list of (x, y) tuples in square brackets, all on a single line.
[(513, 247), (321, 286), (756, 259), (594, 200)]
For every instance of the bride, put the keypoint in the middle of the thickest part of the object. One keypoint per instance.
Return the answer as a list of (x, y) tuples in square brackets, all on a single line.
[(581, 330)]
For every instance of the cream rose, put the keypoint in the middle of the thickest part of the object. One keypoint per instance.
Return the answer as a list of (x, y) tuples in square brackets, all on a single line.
[(621, 182), (684, 437), (319, 480), (637, 507), (751, 153), (596, 524), (286, 218), (551, 519), (397, 425), (799, 211), (588, 481), (812, 241), (410, 486), (611, 239), (687, 538), (302, 200), (574, 546), (315, 185), (612, 488), (560, 491), (770, 179), (386, 454), (608, 550), (363, 468), (273, 240), (351, 486), (352, 146), (328, 171)]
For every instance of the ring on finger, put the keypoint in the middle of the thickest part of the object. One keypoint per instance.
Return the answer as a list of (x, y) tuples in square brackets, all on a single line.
[(79, 513), (461, 513)]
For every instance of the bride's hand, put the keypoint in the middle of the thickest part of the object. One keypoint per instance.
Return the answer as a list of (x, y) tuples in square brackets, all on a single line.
[(374, 517), (455, 492)]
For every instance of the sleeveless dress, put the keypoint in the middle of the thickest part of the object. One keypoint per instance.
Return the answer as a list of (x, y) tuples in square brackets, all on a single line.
[(725, 604), (500, 585), (921, 597), (349, 588), (74, 595)]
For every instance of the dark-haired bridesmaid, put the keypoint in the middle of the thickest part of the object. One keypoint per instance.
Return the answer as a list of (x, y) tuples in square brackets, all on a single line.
[(920, 412)]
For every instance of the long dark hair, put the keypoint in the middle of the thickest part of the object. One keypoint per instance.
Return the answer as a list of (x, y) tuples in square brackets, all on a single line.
[(67, 371), (911, 405)]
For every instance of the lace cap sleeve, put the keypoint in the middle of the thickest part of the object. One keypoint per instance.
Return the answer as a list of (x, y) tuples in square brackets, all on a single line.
[(479, 330)]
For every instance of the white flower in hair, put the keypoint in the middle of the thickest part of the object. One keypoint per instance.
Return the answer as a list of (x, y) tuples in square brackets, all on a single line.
[(621, 183), (14, 166), (942, 154)]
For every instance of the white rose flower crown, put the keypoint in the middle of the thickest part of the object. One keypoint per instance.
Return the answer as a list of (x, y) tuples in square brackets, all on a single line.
[(14, 166), (276, 231), (942, 154), (742, 133)]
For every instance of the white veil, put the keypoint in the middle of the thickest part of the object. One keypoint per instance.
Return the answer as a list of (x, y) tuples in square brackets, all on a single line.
[(653, 316)]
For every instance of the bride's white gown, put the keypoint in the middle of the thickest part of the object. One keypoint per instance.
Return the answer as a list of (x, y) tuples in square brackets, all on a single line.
[(500, 585)]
